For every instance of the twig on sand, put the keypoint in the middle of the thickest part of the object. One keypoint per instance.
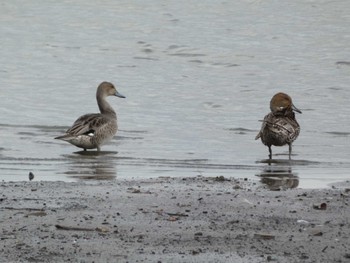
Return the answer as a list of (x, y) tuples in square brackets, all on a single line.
[(24, 208), (72, 228)]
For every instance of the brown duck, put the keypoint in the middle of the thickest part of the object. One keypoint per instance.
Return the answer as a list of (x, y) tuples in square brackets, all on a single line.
[(90, 131), (280, 127)]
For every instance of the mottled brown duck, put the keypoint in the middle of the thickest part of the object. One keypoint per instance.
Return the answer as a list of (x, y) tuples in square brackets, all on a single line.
[(91, 131), (280, 127)]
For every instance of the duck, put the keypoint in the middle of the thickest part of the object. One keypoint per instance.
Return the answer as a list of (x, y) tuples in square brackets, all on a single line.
[(280, 126), (91, 131)]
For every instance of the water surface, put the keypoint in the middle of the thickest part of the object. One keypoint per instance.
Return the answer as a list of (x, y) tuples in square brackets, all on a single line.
[(198, 77)]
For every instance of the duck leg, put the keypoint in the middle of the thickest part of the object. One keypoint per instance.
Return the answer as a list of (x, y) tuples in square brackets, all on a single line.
[(270, 152), (290, 151)]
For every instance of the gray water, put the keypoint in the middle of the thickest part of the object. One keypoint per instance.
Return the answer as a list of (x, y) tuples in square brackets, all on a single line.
[(198, 77)]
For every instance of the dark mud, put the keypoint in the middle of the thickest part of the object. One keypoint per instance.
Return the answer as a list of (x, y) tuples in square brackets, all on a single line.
[(201, 219)]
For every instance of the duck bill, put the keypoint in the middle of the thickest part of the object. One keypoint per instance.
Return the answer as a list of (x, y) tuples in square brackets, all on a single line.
[(296, 109), (119, 95)]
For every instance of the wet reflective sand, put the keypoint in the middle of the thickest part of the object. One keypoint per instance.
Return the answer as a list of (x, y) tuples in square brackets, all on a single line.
[(49, 159)]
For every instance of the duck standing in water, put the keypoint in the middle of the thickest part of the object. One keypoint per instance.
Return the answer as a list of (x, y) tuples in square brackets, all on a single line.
[(280, 127), (90, 131)]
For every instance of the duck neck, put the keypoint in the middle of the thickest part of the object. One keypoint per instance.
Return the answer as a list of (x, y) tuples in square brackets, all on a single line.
[(104, 106), (285, 113)]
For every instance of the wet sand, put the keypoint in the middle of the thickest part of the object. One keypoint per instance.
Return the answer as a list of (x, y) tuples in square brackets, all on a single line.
[(200, 219)]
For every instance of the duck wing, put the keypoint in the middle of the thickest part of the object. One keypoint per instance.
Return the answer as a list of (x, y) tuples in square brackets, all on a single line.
[(287, 128), (87, 123)]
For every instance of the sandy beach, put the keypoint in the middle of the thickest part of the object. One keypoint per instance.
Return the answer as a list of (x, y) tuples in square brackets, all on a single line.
[(200, 219)]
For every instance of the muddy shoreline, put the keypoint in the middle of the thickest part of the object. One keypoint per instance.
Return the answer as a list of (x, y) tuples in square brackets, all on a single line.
[(197, 219)]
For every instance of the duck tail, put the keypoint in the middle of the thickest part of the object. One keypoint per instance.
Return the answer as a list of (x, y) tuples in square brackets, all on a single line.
[(64, 137)]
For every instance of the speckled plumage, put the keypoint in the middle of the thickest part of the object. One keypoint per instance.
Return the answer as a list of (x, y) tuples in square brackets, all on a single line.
[(280, 127), (90, 131)]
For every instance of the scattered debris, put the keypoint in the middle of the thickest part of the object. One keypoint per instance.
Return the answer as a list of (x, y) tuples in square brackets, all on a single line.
[(220, 179), (247, 201), (173, 218), (177, 214), (346, 193), (322, 206), (316, 232), (346, 63), (264, 236), (31, 176), (40, 213), (196, 252), (303, 222), (98, 229), (24, 208), (137, 191)]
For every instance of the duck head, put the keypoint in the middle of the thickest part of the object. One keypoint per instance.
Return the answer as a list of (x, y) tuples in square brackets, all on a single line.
[(107, 89), (281, 103)]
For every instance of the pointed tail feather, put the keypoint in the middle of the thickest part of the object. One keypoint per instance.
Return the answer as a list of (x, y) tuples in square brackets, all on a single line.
[(258, 136), (64, 137)]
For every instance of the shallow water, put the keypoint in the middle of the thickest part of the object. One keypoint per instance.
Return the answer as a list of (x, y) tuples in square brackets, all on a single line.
[(198, 77)]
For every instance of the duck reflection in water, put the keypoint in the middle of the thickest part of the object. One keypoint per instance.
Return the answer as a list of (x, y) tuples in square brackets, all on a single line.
[(279, 177), (86, 166)]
